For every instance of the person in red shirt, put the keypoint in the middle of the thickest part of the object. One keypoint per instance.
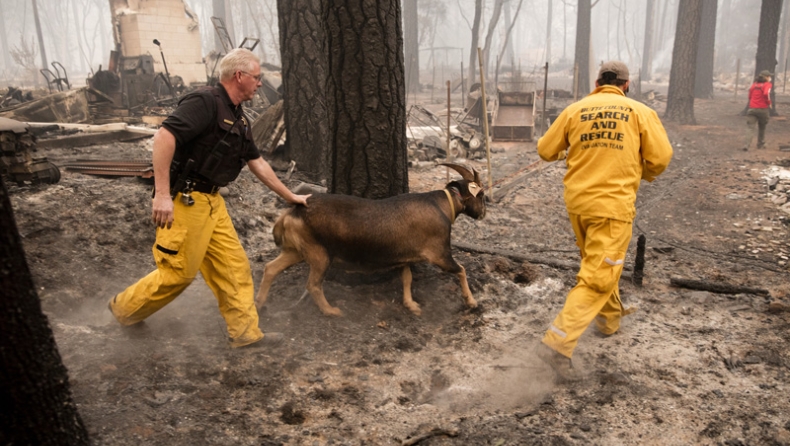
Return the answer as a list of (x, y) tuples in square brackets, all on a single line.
[(759, 108)]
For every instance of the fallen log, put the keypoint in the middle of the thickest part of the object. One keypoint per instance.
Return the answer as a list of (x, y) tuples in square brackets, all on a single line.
[(715, 287), (432, 433), (560, 264)]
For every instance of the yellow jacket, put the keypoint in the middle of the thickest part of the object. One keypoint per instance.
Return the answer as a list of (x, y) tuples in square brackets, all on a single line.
[(612, 143)]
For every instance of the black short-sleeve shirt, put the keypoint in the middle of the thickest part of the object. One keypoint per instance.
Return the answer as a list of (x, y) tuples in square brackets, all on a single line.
[(196, 112)]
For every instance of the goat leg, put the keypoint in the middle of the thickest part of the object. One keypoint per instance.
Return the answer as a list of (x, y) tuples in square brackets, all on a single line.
[(470, 301), (318, 267), (271, 270), (413, 306)]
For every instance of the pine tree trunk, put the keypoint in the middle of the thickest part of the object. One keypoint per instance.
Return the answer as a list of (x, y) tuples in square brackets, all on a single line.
[(770, 13), (4, 40), (305, 74), (44, 63), (680, 97), (344, 93), (412, 42), (647, 48), (492, 24), (368, 110), (471, 77), (35, 397), (703, 84), (582, 50)]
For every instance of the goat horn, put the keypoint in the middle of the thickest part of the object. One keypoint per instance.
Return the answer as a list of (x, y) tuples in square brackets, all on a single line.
[(465, 172)]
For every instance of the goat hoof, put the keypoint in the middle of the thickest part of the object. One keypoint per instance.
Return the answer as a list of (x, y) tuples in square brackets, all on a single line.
[(333, 311), (471, 304), (415, 309)]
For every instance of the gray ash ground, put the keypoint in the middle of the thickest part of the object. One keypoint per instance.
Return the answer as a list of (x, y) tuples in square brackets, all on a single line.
[(690, 367)]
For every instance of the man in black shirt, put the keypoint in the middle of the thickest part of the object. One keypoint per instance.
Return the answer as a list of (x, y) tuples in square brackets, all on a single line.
[(202, 146)]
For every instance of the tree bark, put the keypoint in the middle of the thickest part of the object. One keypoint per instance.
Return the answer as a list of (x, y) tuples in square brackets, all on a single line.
[(548, 32), (472, 69), (647, 48), (44, 62), (495, 14), (411, 38), (368, 110), (680, 97), (703, 83), (784, 38), (770, 13), (724, 58), (582, 50), (343, 82), (305, 74), (4, 39), (35, 397), (508, 32)]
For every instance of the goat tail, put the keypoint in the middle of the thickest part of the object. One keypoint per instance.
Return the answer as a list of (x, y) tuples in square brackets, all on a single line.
[(279, 229)]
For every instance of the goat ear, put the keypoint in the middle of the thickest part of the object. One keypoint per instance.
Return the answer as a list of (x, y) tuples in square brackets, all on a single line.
[(474, 189), (465, 173)]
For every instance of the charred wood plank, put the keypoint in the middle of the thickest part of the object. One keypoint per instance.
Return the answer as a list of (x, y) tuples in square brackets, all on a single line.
[(89, 139), (541, 260), (432, 433), (715, 287)]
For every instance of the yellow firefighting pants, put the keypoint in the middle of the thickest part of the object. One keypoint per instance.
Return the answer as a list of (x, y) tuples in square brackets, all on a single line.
[(203, 239), (603, 243)]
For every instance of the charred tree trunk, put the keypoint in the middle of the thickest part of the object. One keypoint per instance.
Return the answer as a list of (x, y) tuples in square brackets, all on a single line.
[(724, 58), (703, 84), (472, 69), (548, 32), (680, 97), (784, 38), (35, 397), (770, 13), (4, 40), (508, 32), (44, 62), (367, 91), (508, 49), (582, 51), (305, 74), (495, 14), (412, 42), (343, 85), (647, 48)]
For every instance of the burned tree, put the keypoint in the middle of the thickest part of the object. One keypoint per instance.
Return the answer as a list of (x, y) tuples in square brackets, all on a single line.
[(35, 398), (770, 13), (703, 83), (411, 38), (647, 53), (343, 85), (472, 69), (680, 96), (582, 57)]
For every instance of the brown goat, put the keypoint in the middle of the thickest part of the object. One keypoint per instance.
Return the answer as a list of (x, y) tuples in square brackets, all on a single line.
[(379, 234)]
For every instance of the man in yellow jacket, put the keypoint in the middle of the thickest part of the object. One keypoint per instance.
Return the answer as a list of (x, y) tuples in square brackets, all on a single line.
[(612, 143)]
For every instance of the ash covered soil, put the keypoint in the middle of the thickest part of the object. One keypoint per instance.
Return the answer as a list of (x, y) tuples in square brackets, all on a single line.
[(688, 367)]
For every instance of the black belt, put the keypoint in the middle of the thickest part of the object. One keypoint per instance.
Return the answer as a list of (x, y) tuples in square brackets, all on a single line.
[(206, 188)]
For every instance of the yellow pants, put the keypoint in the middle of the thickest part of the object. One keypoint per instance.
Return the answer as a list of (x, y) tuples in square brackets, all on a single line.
[(603, 243), (203, 239)]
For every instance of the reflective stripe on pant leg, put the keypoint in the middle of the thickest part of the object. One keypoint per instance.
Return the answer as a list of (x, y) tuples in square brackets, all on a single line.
[(603, 242), (178, 252), (226, 270)]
